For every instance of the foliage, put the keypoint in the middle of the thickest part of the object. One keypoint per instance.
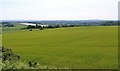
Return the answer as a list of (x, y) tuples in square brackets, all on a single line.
[(12, 61), (7, 54)]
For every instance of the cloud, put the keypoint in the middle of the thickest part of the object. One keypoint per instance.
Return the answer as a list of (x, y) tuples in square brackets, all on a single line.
[(59, 9)]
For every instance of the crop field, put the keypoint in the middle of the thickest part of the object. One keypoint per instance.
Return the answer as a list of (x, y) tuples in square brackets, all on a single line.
[(77, 47)]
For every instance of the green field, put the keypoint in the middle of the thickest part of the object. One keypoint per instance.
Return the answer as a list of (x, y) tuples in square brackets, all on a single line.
[(77, 47), (12, 29)]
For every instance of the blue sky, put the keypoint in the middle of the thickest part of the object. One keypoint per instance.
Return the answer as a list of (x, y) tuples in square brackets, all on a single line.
[(59, 9)]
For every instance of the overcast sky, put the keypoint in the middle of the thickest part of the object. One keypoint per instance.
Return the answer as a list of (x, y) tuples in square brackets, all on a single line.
[(59, 9)]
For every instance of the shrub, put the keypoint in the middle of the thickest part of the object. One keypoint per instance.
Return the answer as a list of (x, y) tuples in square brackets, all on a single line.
[(7, 54), (41, 28)]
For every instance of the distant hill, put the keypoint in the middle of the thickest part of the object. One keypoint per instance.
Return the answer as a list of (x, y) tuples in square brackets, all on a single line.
[(74, 22)]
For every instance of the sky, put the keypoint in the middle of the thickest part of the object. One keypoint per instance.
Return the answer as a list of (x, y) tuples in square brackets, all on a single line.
[(58, 9)]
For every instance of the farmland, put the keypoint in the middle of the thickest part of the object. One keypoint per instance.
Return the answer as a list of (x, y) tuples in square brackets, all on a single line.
[(76, 47)]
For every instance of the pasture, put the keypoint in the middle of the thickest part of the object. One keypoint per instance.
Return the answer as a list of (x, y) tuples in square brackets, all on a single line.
[(77, 47)]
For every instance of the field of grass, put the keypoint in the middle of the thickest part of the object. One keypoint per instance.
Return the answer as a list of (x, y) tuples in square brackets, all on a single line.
[(77, 47), (12, 29)]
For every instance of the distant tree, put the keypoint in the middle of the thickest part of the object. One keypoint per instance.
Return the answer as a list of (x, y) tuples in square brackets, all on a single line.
[(57, 26), (41, 28), (30, 29), (71, 25)]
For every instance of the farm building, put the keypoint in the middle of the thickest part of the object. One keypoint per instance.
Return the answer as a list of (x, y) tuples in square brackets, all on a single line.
[(33, 24)]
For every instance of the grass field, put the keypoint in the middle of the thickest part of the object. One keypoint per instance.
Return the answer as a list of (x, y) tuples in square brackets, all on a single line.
[(12, 29), (77, 47)]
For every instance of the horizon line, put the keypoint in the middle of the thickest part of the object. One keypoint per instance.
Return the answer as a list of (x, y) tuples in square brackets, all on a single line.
[(62, 20)]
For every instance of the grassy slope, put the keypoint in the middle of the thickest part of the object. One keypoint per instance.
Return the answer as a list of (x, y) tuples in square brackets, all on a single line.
[(78, 47), (12, 29)]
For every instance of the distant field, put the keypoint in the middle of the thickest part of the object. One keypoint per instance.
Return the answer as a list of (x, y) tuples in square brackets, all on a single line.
[(12, 29), (77, 47)]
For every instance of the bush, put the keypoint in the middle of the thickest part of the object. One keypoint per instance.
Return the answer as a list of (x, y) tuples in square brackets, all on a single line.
[(30, 30), (41, 28), (7, 54)]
